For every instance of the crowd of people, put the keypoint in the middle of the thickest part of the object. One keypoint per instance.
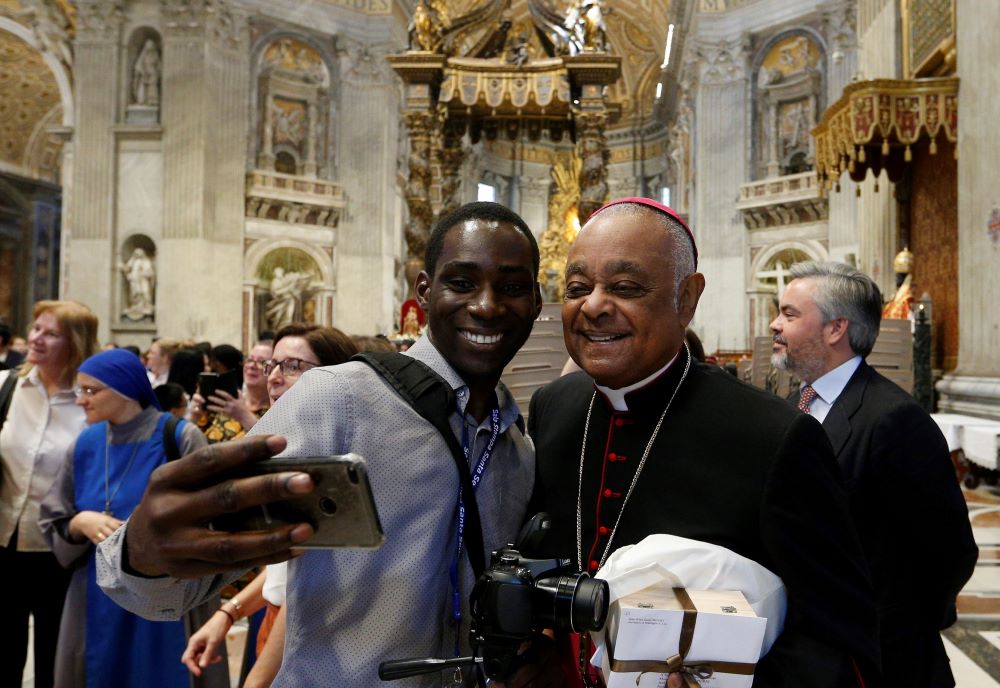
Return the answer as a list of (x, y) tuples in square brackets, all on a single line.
[(82, 428), (642, 438)]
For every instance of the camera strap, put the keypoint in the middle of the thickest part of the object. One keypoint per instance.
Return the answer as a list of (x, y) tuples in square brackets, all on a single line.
[(434, 399)]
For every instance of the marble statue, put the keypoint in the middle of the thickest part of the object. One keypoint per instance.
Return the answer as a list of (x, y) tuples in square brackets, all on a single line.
[(585, 21), (286, 291), (146, 76), (140, 275)]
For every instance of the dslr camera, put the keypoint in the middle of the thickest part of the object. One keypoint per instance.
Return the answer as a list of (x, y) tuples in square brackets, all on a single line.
[(513, 601), (517, 598)]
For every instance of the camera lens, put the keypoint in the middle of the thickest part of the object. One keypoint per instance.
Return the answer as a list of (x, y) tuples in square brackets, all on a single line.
[(578, 602), (590, 605)]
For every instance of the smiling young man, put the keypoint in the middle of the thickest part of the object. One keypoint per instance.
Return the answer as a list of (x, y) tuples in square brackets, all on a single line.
[(645, 440), (892, 455), (348, 610)]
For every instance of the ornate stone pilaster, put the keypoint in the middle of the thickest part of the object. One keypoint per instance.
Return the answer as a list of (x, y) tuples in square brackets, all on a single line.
[(96, 55)]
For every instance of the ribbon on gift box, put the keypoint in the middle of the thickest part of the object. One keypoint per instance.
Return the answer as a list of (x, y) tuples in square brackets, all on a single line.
[(676, 663)]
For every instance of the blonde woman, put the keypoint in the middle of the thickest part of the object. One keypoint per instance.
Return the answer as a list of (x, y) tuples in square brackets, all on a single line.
[(42, 422)]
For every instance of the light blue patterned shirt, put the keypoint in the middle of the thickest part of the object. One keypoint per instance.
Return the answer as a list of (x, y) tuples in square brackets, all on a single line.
[(348, 610)]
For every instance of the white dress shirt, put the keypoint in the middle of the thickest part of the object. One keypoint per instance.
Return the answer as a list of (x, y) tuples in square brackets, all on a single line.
[(33, 446), (829, 387)]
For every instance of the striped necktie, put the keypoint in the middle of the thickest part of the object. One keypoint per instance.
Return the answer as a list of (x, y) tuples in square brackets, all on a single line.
[(806, 397)]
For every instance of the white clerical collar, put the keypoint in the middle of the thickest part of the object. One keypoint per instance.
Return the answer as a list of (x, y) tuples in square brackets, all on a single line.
[(617, 396)]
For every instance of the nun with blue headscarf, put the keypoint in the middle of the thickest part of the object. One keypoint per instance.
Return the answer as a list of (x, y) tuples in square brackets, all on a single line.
[(101, 482)]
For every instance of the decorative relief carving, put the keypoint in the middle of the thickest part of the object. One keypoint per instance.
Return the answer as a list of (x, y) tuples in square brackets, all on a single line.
[(930, 25), (296, 59), (227, 26), (592, 147), (52, 26), (296, 200), (98, 19), (723, 62), (840, 27), (364, 64)]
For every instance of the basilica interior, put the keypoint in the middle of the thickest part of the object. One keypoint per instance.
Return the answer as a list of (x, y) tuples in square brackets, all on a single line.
[(211, 169)]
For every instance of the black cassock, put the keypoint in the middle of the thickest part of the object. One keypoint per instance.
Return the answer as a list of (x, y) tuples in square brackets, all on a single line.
[(731, 465)]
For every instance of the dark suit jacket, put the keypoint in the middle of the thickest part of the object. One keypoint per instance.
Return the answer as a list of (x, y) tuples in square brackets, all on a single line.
[(734, 466), (912, 518), (14, 359)]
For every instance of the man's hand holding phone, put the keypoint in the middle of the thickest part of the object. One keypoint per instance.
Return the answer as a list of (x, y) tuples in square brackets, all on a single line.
[(169, 533)]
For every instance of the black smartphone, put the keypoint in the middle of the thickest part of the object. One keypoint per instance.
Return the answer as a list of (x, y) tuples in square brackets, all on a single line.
[(341, 509), (210, 383)]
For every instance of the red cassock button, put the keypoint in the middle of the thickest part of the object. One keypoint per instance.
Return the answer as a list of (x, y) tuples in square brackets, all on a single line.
[(603, 530), (608, 493), (619, 422), (612, 457), (593, 564)]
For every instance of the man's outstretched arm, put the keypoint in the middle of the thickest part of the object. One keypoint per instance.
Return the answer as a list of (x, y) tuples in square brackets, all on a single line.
[(168, 536)]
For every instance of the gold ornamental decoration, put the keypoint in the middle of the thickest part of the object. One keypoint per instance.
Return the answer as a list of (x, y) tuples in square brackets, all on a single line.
[(875, 123)]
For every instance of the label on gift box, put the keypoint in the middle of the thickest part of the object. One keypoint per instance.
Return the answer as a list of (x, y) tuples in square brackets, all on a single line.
[(716, 632)]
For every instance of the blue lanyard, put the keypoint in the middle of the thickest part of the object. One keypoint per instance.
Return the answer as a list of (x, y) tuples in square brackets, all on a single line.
[(478, 471)]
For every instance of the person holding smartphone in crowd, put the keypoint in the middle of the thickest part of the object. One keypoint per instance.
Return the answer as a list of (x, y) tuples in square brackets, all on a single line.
[(297, 348)]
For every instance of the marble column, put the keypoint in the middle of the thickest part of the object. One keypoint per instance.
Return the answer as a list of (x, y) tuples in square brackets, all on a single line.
[(840, 31), (450, 156), (419, 126), (592, 147), (878, 36), (975, 385)]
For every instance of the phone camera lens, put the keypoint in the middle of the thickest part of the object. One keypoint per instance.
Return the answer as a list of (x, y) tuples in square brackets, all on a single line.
[(328, 506)]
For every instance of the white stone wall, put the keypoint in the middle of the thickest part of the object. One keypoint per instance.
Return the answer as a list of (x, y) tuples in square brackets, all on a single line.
[(367, 133)]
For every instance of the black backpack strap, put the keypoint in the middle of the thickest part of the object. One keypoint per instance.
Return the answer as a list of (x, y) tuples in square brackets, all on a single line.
[(433, 398), (170, 438), (6, 395)]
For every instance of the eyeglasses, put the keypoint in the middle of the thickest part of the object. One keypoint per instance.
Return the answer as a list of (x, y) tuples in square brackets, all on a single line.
[(87, 391), (259, 363), (290, 367)]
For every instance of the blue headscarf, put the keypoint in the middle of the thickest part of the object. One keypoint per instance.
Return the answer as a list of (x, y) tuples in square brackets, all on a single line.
[(122, 371)]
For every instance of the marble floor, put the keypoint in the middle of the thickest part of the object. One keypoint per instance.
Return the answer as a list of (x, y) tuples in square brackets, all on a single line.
[(973, 643)]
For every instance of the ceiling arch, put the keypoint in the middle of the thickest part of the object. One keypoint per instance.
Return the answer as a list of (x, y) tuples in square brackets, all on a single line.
[(29, 94)]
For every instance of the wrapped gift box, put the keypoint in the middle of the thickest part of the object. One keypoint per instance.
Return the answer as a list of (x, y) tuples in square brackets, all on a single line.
[(645, 629)]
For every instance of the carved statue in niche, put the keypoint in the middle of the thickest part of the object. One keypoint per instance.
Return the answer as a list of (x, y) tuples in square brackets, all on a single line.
[(140, 276), (146, 76), (287, 290)]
